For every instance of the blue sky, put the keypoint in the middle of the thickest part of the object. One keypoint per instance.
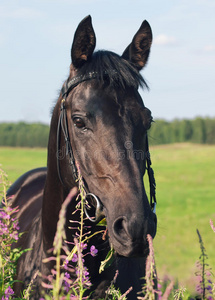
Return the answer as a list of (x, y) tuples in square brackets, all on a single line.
[(36, 37)]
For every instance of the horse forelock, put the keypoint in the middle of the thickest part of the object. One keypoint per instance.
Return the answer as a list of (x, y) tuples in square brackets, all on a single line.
[(112, 70)]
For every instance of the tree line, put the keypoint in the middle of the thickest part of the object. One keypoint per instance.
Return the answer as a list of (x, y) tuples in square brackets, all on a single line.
[(198, 130), (24, 134)]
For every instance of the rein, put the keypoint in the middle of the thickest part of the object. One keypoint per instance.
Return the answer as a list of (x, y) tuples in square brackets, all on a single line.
[(63, 127), (152, 183)]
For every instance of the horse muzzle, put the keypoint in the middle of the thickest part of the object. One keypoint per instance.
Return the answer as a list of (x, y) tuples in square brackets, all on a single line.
[(129, 236)]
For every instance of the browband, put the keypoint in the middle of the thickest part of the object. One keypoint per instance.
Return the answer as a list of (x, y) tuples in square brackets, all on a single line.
[(70, 84)]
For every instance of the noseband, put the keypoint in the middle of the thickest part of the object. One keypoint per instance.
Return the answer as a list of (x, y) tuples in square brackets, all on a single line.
[(63, 127)]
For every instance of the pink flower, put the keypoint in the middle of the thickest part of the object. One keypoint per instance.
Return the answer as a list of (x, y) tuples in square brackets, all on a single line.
[(83, 246), (212, 225), (93, 250), (8, 292), (4, 215), (3, 228), (66, 264), (14, 235), (15, 225), (66, 283), (75, 257)]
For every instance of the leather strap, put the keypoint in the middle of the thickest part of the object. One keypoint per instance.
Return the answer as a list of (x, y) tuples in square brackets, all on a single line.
[(152, 183)]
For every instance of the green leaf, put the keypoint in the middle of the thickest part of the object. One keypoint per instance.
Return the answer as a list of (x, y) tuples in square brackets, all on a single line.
[(103, 222), (16, 253), (108, 260)]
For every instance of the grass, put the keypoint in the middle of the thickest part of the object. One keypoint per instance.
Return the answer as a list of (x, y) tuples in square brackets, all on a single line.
[(16, 161), (186, 193), (185, 179)]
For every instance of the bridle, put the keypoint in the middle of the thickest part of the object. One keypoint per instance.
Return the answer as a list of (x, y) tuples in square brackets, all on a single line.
[(63, 128), (62, 122)]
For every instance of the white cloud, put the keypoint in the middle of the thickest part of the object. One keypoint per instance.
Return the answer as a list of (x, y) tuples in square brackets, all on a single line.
[(165, 40), (209, 48)]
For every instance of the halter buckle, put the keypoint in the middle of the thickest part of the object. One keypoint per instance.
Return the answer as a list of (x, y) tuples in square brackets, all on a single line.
[(99, 214)]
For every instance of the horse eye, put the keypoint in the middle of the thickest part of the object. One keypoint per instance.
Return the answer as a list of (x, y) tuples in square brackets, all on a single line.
[(78, 122)]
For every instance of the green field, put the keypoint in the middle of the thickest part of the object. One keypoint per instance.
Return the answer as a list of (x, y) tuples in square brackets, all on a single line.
[(185, 176), (16, 161)]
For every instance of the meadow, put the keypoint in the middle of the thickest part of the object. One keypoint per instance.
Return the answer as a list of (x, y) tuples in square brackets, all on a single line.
[(185, 178), (16, 161)]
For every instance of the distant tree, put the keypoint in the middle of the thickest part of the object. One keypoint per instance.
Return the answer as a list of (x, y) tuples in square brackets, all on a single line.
[(22, 134), (199, 130), (175, 125), (158, 132), (7, 136), (185, 131), (210, 130)]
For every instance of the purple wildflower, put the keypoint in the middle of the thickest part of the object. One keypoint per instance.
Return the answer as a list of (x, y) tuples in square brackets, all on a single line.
[(3, 228), (209, 288), (75, 257), (8, 292), (159, 292), (15, 225), (83, 246), (93, 250), (4, 215), (66, 283), (66, 264), (204, 287), (14, 235), (85, 274)]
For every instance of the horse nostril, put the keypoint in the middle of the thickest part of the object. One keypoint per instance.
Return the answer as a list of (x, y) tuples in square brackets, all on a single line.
[(120, 228)]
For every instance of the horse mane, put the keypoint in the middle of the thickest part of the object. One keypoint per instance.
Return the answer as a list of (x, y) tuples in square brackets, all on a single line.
[(114, 69)]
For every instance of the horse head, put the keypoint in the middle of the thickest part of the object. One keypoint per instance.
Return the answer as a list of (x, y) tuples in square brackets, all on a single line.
[(106, 125)]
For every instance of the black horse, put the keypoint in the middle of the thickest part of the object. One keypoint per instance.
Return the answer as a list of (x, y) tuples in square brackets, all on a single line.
[(101, 123)]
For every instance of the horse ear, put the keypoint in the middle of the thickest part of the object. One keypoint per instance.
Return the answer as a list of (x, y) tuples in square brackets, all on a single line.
[(138, 51), (84, 42)]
